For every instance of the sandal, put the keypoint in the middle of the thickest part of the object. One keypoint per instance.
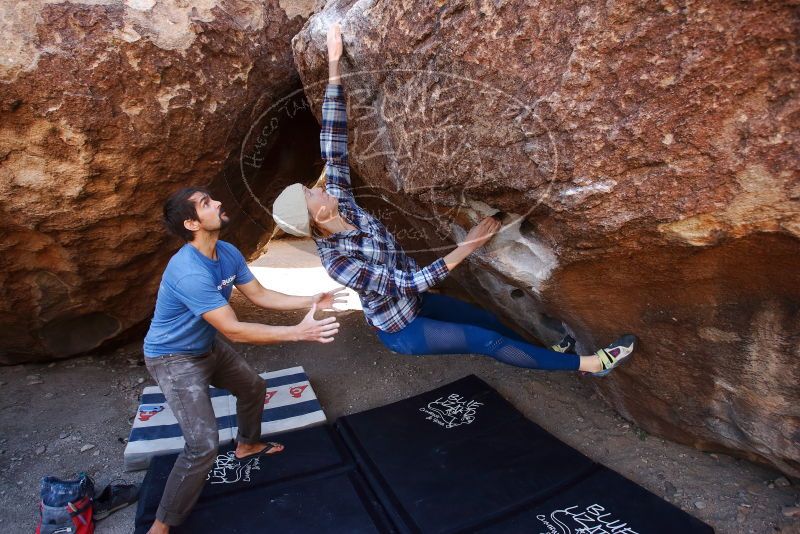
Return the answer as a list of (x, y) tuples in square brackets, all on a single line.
[(271, 445)]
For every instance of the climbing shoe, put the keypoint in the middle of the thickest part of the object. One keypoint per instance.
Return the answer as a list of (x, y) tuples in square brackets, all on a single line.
[(567, 344), (615, 354), (114, 497)]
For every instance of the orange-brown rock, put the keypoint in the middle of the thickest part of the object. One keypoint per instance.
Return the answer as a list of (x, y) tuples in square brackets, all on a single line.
[(105, 108), (646, 158)]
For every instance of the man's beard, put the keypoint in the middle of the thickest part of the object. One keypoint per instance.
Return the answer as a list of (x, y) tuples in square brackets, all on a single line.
[(223, 219)]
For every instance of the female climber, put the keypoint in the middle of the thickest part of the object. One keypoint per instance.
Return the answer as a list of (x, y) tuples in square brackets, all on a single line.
[(359, 252)]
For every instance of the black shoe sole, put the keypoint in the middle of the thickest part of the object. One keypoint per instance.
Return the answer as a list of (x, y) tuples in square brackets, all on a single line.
[(99, 516)]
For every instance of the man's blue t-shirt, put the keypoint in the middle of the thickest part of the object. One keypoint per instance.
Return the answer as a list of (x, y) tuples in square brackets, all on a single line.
[(191, 286)]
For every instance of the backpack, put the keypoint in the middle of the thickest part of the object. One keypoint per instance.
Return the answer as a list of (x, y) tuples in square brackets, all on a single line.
[(66, 507)]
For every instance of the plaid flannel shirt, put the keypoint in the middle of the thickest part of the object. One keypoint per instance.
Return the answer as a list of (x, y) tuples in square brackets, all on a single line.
[(368, 260)]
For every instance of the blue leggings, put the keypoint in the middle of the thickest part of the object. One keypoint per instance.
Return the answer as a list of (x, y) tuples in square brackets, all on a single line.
[(449, 326)]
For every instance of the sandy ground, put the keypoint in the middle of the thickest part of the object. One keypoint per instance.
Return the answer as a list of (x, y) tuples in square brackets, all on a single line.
[(49, 412)]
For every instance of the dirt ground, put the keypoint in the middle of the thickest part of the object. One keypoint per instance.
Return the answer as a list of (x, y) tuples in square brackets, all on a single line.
[(50, 415)]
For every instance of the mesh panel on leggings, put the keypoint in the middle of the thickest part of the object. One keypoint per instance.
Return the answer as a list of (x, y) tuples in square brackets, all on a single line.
[(503, 351), (452, 338), (441, 337)]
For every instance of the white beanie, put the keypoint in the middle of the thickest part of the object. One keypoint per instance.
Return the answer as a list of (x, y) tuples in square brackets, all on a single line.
[(291, 212)]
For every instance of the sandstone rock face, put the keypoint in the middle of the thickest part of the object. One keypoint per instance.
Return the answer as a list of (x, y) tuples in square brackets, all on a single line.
[(646, 158), (105, 108)]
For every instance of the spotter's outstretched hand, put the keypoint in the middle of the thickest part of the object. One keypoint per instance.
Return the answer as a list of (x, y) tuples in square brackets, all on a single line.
[(327, 300), (322, 331)]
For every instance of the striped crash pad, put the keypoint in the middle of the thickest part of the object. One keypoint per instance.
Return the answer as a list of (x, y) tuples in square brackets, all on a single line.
[(290, 403)]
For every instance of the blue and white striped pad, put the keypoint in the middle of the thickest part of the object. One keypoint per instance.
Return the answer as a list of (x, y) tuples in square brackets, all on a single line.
[(290, 403)]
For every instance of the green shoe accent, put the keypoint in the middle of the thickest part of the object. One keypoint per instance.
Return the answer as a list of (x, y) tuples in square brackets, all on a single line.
[(567, 344), (615, 354)]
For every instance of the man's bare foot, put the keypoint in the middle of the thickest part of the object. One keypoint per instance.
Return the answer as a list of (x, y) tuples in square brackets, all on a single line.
[(158, 528), (247, 449)]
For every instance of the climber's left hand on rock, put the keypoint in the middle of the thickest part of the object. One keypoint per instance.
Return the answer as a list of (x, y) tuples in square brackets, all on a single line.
[(482, 232)]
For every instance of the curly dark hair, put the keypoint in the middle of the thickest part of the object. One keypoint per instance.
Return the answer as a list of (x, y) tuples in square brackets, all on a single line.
[(178, 208)]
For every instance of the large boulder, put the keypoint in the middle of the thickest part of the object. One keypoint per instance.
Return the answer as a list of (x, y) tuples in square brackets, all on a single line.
[(646, 158), (105, 108)]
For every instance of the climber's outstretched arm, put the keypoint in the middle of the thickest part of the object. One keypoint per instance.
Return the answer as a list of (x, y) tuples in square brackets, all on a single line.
[(334, 52), (333, 135)]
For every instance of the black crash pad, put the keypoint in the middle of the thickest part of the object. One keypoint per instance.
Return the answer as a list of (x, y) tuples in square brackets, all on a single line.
[(312, 486), (462, 459)]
